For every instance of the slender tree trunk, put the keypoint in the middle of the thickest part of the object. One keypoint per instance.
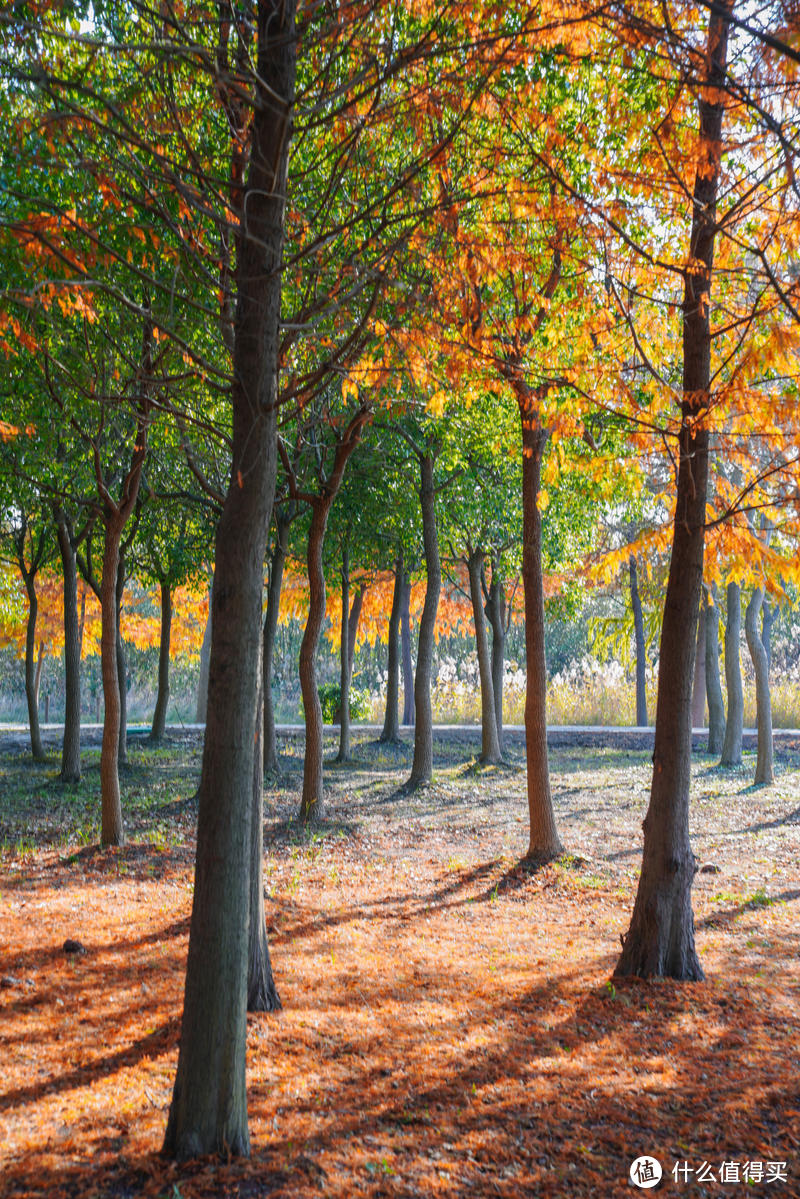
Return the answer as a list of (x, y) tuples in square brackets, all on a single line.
[(71, 746), (278, 560), (162, 700), (490, 743), (496, 613), (391, 723), (345, 665), (768, 614), (205, 655), (764, 757), (405, 657), (699, 683), (641, 656), (262, 995), (208, 1113), (112, 830), (660, 940), (732, 744), (544, 842), (31, 683), (352, 627), (312, 802), (37, 680), (716, 708), (122, 666), (422, 766)]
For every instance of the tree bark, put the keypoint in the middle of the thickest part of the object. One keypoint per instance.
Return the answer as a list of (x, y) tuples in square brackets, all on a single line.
[(262, 995), (122, 665), (345, 665), (162, 700), (422, 765), (765, 772), (496, 613), (391, 723), (405, 641), (208, 1113), (641, 657), (768, 614), (31, 673), (111, 807), (660, 940), (544, 842), (699, 683), (205, 654), (732, 743), (277, 563), (490, 743), (716, 708), (312, 802), (352, 627), (71, 746)]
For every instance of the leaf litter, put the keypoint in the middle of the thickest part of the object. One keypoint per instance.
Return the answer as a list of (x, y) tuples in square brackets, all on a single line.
[(450, 1026)]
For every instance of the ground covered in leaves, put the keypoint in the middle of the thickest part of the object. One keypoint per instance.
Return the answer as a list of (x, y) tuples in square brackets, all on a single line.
[(449, 1024)]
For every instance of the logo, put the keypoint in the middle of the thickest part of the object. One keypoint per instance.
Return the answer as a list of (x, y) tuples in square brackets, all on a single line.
[(646, 1172)]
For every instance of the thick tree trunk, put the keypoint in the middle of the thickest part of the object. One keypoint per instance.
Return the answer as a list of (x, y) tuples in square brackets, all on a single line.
[(716, 708), (765, 772), (496, 614), (208, 1113), (422, 765), (312, 802), (262, 995), (732, 743), (112, 830), (162, 700), (391, 722), (345, 665), (405, 646), (71, 746), (122, 666), (544, 842), (699, 683), (490, 743), (31, 673), (277, 563), (660, 940), (641, 657), (205, 655)]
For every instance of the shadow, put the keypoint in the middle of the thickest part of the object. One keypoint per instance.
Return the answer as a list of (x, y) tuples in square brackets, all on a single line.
[(724, 917), (790, 818)]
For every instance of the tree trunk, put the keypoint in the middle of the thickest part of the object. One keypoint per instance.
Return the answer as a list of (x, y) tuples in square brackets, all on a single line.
[(660, 940), (208, 1113), (732, 744), (716, 708), (391, 723), (422, 766), (490, 744), (162, 700), (544, 842), (122, 666), (31, 672), (699, 683), (768, 614), (312, 802), (277, 562), (641, 656), (71, 746), (496, 613), (764, 758), (405, 645), (345, 666), (205, 655), (262, 995), (112, 830), (352, 627)]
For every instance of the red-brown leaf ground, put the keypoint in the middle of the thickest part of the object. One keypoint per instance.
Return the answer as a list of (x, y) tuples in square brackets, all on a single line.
[(449, 1027)]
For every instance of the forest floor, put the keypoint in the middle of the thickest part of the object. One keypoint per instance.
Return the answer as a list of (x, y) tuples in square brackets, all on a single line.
[(449, 1025)]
